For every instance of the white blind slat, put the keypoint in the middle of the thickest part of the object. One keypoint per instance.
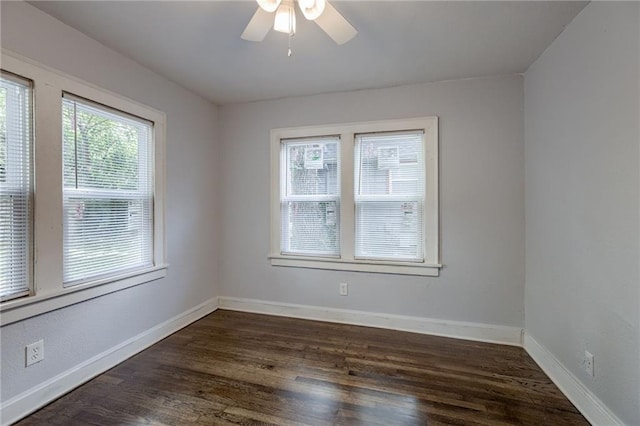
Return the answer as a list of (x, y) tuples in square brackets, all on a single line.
[(310, 196), (15, 186), (389, 195), (108, 191)]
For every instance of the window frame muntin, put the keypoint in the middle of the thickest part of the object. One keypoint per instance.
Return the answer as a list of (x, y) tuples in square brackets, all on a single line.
[(347, 262)]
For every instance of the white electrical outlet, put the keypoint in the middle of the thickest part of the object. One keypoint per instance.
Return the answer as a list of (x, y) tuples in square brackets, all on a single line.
[(344, 289), (34, 352), (588, 363)]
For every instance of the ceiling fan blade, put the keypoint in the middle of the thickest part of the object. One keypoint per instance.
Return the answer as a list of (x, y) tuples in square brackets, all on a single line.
[(335, 25), (259, 26)]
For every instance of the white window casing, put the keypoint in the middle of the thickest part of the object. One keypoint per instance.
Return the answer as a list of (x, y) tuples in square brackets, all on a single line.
[(53, 283), (388, 216)]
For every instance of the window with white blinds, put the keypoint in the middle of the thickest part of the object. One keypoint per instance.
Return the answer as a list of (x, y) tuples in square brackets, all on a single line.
[(108, 191), (310, 197), (389, 196), (81, 197), (15, 186), (363, 200)]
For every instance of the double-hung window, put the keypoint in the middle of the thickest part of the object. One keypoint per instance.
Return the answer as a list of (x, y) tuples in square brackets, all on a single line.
[(15, 186), (310, 197), (357, 197), (81, 191), (108, 191), (389, 196)]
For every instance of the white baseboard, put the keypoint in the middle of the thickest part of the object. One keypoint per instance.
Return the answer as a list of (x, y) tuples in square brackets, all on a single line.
[(585, 401), (29, 401), (595, 411), (457, 329)]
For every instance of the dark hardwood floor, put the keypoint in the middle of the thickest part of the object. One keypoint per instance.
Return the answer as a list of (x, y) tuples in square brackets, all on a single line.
[(240, 368)]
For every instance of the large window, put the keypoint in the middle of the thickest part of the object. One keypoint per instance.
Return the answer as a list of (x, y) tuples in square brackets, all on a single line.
[(360, 197), (108, 192), (81, 191), (15, 186)]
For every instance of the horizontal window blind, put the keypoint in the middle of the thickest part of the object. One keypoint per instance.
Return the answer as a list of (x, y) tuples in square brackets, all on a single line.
[(15, 186), (310, 196), (389, 196), (108, 191)]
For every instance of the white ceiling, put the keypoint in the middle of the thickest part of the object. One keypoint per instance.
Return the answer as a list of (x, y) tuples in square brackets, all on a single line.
[(197, 44)]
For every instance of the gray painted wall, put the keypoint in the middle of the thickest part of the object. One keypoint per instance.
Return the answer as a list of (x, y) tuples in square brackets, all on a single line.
[(582, 198), (582, 194), (79, 332), (481, 200)]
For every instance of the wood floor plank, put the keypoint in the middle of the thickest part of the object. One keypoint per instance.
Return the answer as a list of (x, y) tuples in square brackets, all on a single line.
[(233, 368)]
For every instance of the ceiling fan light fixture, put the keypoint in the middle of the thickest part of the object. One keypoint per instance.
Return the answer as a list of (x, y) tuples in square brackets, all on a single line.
[(285, 21), (269, 5), (321, 12), (311, 9), (306, 3)]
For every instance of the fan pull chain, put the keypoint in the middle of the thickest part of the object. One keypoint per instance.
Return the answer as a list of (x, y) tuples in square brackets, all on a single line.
[(291, 20)]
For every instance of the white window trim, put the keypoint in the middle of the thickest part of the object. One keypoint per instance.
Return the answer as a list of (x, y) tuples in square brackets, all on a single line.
[(347, 262), (47, 292)]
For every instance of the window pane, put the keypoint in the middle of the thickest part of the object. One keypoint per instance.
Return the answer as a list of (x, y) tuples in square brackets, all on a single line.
[(15, 186), (390, 164), (106, 235), (389, 196), (310, 200), (101, 148), (108, 195), (312, 168), (311, 228), (389, 230)]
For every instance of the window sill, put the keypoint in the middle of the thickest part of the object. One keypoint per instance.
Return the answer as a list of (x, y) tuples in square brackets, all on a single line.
[(26, 307), (430, 270)]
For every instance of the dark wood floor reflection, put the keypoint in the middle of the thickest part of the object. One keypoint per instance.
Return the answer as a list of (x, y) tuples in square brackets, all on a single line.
[(239, 368)]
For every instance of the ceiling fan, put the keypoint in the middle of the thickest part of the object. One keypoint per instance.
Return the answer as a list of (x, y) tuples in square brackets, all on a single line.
[(319, 11)]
